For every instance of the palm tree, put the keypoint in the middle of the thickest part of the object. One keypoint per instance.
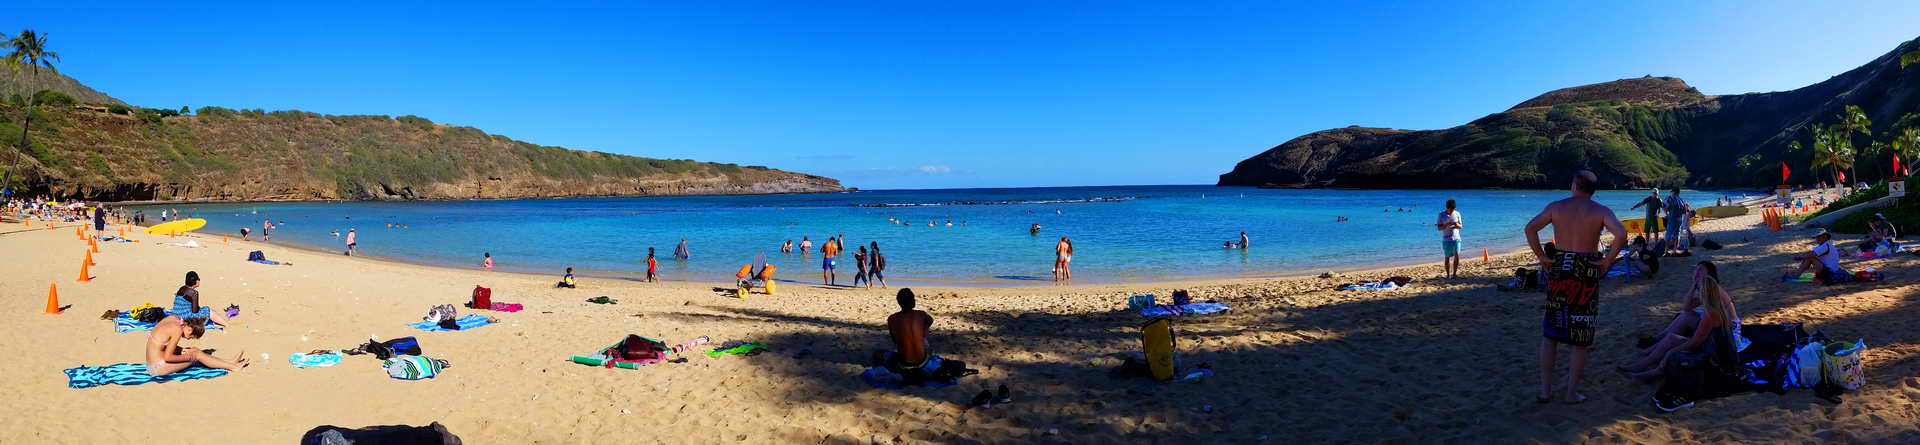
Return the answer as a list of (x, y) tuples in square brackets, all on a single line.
[(1828, 152), (1852, 120), (29, 52)]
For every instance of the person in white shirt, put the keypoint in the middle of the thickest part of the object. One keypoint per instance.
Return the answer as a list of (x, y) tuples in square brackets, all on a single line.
[(1824, 255), (1449, 226)]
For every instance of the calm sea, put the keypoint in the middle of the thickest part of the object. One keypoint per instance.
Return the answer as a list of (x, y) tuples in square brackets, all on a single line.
[(1124, 233)]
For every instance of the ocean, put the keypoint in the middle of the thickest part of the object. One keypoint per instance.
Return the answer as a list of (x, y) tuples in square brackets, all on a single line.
[(1120, 233)]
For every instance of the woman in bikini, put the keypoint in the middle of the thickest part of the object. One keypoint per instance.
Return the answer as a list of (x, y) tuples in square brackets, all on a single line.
[(166, 356)]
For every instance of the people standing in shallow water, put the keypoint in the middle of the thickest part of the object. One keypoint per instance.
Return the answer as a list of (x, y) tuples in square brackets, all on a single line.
[(653, 267), (1573, 278), (860, 266), (829, 261), (1034, 230), (681, 252), (1449, 226), (876, 264), (806, 244), (1062, 260), (1243, 240)]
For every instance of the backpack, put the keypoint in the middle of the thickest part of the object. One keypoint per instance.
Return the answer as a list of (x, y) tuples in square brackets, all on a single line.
[(256, 256), (879, 262), (482, 298), (391, 348), (1181, 298), (1686, 375), (421, 435)]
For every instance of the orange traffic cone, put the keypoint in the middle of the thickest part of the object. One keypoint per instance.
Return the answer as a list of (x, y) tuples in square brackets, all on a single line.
[(84, 276), (1484, 257), (223, 239), (94, 246), (78, 233), (90, 259), (53, 299)]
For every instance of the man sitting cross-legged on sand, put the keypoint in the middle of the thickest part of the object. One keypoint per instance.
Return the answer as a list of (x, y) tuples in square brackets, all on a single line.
[(166, 356), (1824, 256)]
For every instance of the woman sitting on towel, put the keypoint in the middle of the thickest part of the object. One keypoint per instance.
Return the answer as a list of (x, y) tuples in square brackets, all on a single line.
[(1709, 322), (166, 356), (186, 302)]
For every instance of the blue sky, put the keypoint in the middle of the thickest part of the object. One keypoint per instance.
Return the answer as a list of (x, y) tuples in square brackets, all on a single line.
[(907, 94)]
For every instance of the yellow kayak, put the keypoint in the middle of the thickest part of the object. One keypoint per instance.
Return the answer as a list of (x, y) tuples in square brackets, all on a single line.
[(1721, 211), (181, 226), (1634, 225)]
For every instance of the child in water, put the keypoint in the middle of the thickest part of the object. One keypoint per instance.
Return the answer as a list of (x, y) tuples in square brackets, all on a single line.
[(653, 274), (488, 263)]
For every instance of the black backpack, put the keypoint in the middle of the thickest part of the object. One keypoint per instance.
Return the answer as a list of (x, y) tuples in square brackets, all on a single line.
[(150, 315), (387, 349)]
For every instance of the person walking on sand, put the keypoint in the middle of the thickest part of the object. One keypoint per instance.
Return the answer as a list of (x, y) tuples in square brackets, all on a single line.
[(352, 245), (860, 267), (680, 252), (1449, 225), (876, 263), (488, 263), (1062, 260), (653, 267), (828, 252), (1573, 278)]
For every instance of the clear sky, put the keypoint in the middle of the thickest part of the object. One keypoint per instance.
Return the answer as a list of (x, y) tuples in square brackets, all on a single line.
[(922, 94)]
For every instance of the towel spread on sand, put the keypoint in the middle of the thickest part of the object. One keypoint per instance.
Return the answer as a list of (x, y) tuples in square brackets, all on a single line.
[(125, 323), (738, 350), (507, 307), (883, 378), (468, 322), (1382, 285), (304, 360), (1185, 309), (132, 374)]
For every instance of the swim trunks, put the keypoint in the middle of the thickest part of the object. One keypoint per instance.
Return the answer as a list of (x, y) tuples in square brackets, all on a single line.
[(1450, 247), (1573, 294), (828, 263)]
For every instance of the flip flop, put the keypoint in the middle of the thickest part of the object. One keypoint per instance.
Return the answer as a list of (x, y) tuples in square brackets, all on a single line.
[(1577, 399)]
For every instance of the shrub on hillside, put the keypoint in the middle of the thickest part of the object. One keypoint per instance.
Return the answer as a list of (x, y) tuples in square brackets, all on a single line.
[(52, 98), (213, 111), (119, 109)]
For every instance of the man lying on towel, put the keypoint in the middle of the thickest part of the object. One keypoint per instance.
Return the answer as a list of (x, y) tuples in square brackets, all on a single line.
[(166, 356), (910, 358)]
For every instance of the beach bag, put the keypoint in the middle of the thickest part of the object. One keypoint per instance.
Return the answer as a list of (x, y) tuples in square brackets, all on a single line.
[(434, 434), (1138, 302), (1156, 338), (1181, 298), (1686, 375), (256, 256), (390, 348), (482, 298), (150, 315), (413, 367), (1806, 364), (1840, 362), (441, 312)]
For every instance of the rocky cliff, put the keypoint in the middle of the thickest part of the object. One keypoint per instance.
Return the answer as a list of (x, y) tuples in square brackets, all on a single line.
[(1633, 132), (102, 153)]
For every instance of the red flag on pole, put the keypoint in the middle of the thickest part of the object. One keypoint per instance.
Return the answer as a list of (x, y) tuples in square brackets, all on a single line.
[(1842, 176), (1784, 172), (1896, 165)]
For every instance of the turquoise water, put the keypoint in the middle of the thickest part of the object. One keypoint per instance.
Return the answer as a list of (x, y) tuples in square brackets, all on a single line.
[(1130, 233)]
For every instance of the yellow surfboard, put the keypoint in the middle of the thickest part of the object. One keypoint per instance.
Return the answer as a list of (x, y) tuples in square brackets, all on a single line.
[(1156, 337), (181, 226), (1722, 211)]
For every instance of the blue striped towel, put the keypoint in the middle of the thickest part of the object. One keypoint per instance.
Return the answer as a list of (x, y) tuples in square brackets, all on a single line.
[(132, 374), (468, 322), (1207, 307), (125, 323)]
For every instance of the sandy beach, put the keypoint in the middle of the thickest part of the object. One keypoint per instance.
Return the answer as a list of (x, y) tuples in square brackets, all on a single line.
[(1444, 360)]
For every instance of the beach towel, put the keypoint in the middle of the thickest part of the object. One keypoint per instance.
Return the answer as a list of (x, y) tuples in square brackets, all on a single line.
[(1382, 285), (739, 350), (132, 374), (507, 307), (125, 323), (304, 360), (630, 353), (1201, 308), (883, 378), (413, 367), (469, 321)]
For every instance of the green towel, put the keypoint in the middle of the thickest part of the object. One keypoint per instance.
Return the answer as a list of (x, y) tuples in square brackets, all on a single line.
[(602, 300), (738, 350)]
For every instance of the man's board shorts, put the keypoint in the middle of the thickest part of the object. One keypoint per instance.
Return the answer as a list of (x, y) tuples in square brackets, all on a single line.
[(1646, 225), (1450, 247), (1673, 227), (1573, 298), (827, 263)]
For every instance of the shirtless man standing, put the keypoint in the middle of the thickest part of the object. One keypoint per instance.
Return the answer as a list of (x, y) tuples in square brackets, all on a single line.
[(166, 356), (1573, 278), (829, 260), (1062, 258), (909, 331)]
